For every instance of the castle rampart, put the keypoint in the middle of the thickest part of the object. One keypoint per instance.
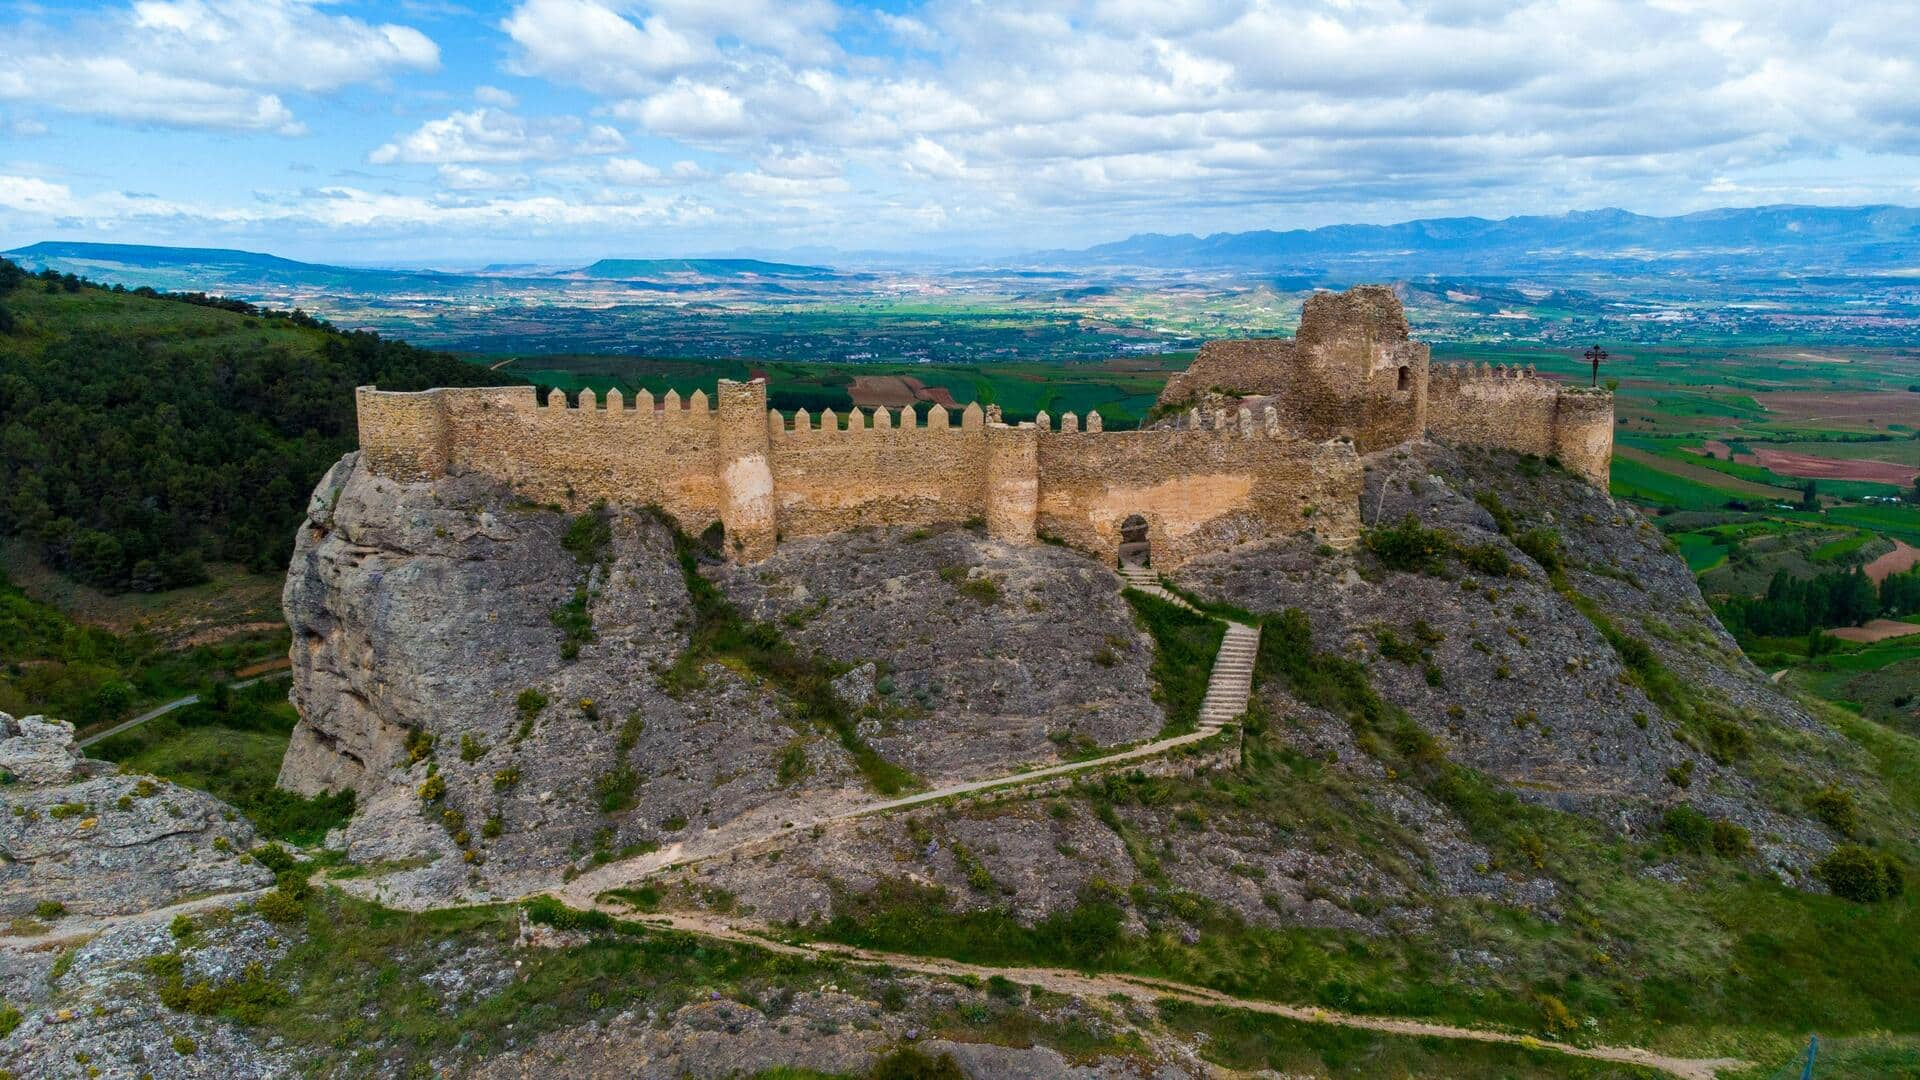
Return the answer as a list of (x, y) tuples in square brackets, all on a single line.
[(765, 476), (1514, 409), (1286, 460), (1353, 371)]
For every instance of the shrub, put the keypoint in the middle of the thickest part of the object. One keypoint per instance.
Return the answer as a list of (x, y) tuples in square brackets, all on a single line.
[(1731, 841), (434, 789), (1681, 775), (793, 763), (575, 623), (1502, 517), (1542, 545), (419, 745), (9, 1019), (530, 703), (630, 731), (184, 1045), (547, 911), (616, 789), (1860, 874), (494, 826), (280, 906), (1408, 546), (589, 535), (907, 1063), (471, 749), (1393, 648), (506, 778), (1487, 559), (49, 909), (1834, 806), (982, 589)]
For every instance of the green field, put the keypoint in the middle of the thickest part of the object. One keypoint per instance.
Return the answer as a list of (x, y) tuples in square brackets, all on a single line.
[(1121, 390)]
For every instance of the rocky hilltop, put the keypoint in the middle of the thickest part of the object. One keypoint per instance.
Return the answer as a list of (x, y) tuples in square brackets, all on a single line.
[(432, 653), (1499, 766)]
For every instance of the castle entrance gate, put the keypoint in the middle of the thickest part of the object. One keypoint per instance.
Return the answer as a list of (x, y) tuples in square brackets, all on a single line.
[(1134, 550)]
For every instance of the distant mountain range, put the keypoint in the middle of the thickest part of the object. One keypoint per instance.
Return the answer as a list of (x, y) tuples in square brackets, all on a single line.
[(1712, 244), (1784, 238), (222, 269)]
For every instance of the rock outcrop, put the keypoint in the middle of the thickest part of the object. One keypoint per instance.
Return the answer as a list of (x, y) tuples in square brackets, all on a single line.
[(434, 676), (77, 833)]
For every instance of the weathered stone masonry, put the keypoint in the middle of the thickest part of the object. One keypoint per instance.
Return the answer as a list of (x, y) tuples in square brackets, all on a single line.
[(1284, 459), (1353, 370), (765, 476)]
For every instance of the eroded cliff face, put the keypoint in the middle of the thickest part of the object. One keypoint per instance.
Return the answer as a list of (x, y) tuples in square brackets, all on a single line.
[(432, 676)]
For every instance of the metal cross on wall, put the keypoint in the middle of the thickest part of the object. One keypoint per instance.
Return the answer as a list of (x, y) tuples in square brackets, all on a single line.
[(1594, 356)]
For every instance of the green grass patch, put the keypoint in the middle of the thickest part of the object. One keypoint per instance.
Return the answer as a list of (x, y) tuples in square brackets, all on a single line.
[(233, 754), (1185, 644)]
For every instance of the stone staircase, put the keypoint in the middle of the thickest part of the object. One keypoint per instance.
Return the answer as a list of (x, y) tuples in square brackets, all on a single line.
[(1231, 680)]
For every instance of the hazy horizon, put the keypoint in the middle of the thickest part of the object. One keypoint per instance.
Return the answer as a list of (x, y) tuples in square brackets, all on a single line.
[(520, 130)]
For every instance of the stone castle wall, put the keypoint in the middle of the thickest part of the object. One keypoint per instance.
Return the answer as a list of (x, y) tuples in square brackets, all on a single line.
[(1513, 409), (766, 476), (1353, 371), (1350, 382)]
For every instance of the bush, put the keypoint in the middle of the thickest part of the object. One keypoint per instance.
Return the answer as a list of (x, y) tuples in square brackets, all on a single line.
[(907, 1063), (1409, 546), (49, 909), (1687, 828), (1487, 559), (1542, 545), (547, 911), (616, 789), (1834, 806), (279, 906), (1860, 874), (589, 535), (530, 703), (1731, 841)]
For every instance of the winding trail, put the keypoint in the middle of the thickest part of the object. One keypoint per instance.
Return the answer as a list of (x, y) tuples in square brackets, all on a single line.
[(1229, 685), (162, 710), (1150, 991)]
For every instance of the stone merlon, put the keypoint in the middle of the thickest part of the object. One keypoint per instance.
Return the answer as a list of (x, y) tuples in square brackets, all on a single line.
[(1350, 383)]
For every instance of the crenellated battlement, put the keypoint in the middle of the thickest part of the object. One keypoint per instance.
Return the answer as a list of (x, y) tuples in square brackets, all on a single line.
[(1280, 455), (767, 475)]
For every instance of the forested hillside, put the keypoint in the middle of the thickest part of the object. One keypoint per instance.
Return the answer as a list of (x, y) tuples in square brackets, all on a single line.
[(144, 434)]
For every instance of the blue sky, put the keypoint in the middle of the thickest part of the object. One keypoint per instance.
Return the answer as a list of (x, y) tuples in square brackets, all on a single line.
[(451, 131)]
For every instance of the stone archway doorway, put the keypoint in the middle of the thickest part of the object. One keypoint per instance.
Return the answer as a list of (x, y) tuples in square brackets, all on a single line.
[(1134, 550)]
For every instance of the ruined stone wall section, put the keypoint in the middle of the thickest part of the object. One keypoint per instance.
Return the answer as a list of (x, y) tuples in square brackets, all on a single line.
[(1249, 367), (1234, 480), (1583, 433), (1510, 408), (880, 469)]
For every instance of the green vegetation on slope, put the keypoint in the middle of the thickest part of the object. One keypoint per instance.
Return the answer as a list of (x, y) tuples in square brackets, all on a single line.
[(231, 746), (1731, 961), (144, 434), (1184, 647), (90, 677), (721, 633)]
